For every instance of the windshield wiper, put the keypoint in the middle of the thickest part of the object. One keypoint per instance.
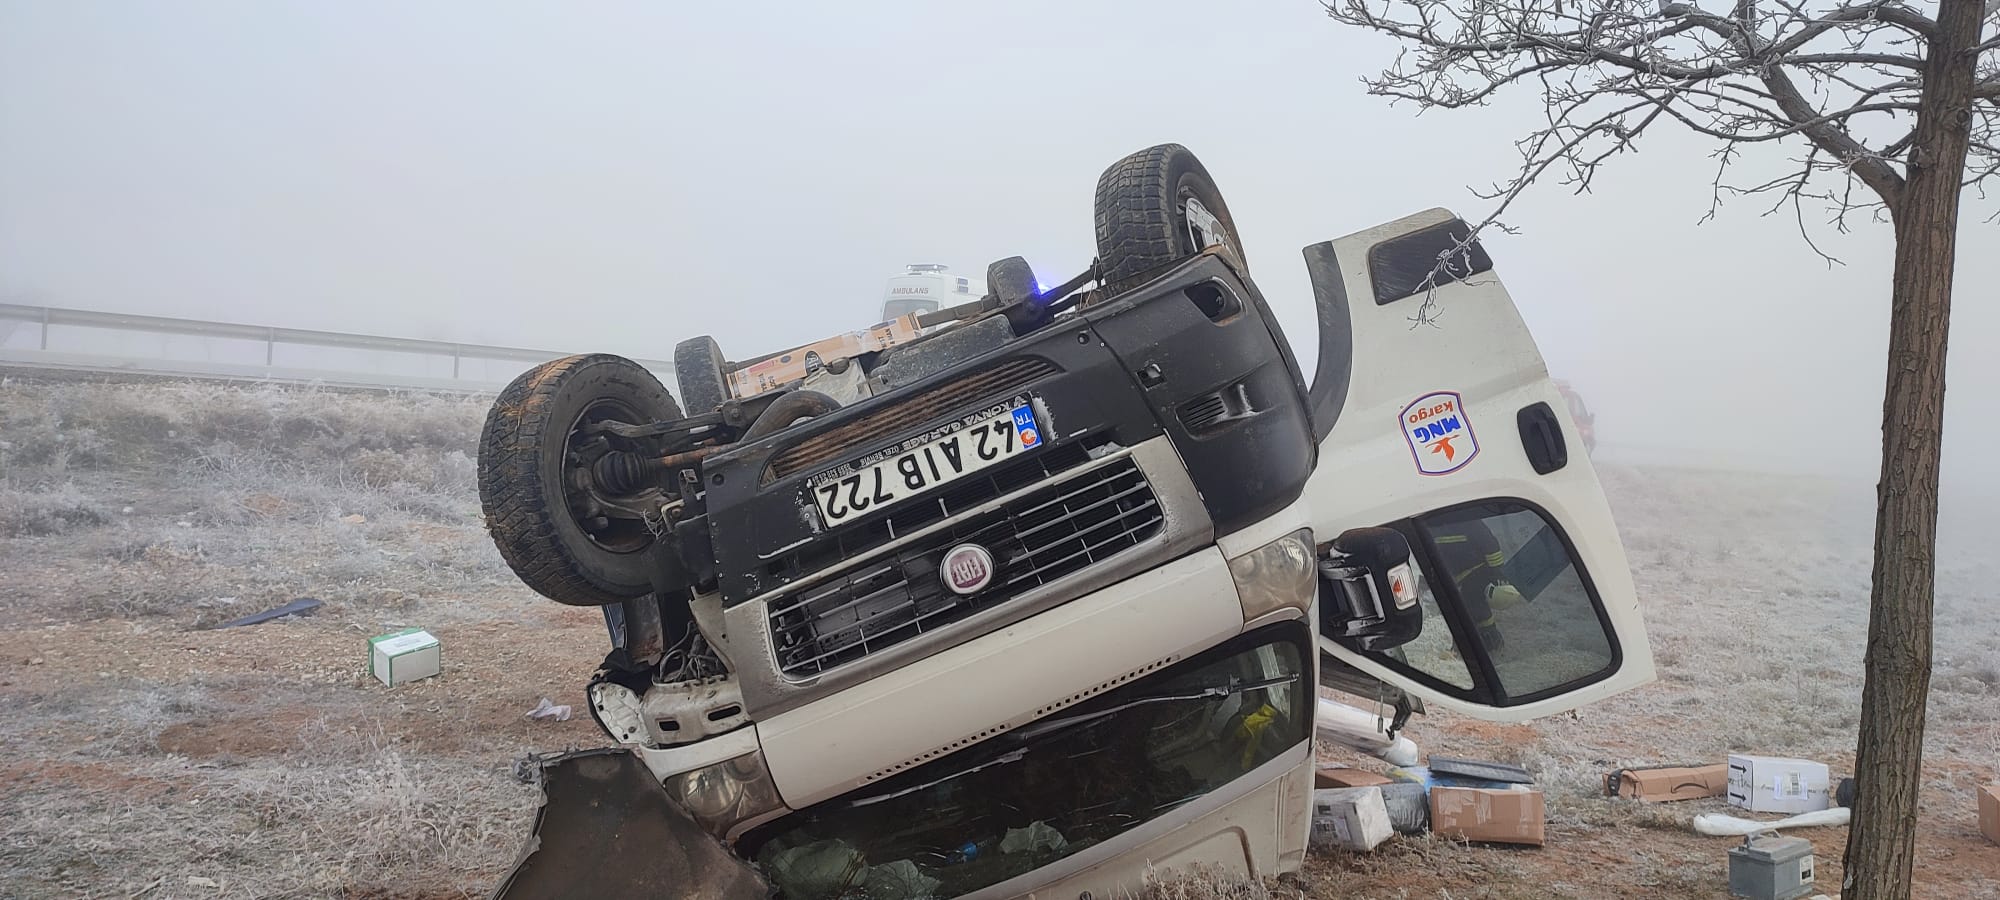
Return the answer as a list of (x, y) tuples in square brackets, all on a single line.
[(1234, 686)]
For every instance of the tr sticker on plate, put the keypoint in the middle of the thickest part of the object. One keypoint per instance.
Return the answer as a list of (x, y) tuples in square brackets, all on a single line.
[(1440, 433), (924, 463)]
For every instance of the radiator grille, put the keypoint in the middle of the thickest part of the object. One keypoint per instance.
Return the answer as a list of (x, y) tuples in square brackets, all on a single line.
[(854, 438), (1036, 539)]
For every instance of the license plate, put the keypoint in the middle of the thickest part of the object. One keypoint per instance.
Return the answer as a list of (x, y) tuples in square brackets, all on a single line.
[(925, 463)]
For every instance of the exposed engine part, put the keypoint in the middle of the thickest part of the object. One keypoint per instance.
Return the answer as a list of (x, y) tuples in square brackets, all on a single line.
[(686, 712), (789, 409), (692, 659)]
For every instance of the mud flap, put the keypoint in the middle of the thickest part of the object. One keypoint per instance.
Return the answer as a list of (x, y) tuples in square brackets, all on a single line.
[(606, 829)]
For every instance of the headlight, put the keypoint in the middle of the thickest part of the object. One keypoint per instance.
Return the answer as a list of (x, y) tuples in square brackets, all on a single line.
[(726, 794), (1278, 575)]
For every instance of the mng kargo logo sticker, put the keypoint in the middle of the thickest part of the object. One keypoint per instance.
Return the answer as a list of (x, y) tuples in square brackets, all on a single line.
[(1439, 432)]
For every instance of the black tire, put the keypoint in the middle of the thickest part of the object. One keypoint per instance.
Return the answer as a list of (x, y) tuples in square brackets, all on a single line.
[(1142, 223), (699, 367), (521, 477)]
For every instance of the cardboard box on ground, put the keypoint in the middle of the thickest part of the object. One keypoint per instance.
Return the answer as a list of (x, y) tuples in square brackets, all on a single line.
[(1989, 812), (1665, 783), (1343, 806), (1512, 815), (1344, 777)]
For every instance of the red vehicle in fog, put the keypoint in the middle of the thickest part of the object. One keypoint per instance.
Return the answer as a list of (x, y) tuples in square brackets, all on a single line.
[(1585, 422)]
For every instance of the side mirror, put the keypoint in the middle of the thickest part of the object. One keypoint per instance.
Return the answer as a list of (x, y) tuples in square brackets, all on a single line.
[(1368, 590)]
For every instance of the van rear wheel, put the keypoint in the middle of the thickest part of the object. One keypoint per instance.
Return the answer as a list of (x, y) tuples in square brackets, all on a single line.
[(1156, 208)]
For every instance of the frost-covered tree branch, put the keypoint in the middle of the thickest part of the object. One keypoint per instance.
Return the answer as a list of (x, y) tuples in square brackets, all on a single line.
[(1841, 78)]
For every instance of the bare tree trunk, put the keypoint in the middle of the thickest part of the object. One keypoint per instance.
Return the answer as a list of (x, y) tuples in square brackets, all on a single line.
[(1881, 846)]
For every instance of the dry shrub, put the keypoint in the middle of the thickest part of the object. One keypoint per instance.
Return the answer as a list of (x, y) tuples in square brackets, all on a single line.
[(33, 513), (138, 425), (1201, 882)]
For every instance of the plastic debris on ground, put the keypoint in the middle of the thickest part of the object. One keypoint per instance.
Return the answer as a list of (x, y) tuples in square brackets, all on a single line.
[(549, 710), (1429, 778), (1719, 825), (1409, 805), (1358, 729), (1843, 795), (1349, 819), (1473, 768), (304, 606)]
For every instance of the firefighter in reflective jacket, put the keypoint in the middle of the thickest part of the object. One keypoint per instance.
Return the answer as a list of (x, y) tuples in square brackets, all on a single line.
[(1472, 555)]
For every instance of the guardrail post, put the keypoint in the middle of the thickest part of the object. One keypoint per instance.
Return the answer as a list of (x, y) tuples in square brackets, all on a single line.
[(270, 346), (45, 328), (455, 350)]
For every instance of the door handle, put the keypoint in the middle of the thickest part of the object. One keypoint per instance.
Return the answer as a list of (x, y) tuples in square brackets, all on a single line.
[(1542, 438)]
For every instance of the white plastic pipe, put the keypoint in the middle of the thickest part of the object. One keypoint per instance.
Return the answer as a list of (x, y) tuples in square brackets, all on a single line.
[(1719, 825), (1359, 729)]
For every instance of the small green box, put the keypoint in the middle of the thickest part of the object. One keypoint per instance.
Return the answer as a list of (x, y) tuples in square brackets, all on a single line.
[(403, 656)]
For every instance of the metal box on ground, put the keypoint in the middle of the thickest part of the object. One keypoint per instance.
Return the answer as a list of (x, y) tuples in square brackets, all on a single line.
[(1770, 866)]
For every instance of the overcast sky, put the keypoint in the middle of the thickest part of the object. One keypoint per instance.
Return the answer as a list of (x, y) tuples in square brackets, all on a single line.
[(619, 176)]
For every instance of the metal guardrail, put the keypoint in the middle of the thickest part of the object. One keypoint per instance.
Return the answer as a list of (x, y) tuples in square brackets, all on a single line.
[(83, 340)]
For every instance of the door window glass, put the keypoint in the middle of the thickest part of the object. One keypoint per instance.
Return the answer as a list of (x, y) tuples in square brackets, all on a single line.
[(1518, 587), (1433, 652)]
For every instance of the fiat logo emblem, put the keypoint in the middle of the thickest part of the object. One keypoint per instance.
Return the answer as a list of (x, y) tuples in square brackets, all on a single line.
[(967, 569)]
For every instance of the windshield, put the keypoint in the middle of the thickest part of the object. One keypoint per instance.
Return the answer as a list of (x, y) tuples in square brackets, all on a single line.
[(1047, 790), (899, 308)]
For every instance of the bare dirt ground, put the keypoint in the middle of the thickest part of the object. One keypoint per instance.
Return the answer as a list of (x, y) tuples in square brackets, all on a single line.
[(144, 755)]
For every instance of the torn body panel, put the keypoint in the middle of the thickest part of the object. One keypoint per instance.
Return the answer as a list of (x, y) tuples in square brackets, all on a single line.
[(607, 829)]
